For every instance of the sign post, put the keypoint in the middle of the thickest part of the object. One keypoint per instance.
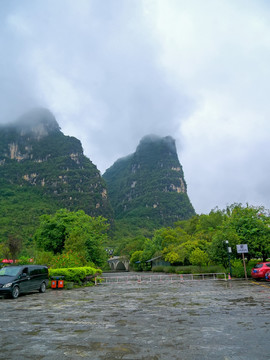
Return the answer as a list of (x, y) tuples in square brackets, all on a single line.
[(243, 249)]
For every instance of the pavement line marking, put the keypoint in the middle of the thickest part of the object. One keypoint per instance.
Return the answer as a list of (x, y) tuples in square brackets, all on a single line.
[(253, 282)]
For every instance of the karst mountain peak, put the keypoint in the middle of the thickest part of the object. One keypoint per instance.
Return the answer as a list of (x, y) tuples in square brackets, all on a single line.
[(43, 170)]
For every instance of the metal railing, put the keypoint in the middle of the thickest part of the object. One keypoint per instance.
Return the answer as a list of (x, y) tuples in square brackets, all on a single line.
[(162, 278)]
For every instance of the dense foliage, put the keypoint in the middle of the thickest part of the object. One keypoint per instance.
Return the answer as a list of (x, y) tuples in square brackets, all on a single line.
[(201, 240), (76, 275), (42, 170), (73, 239), (76, 234)]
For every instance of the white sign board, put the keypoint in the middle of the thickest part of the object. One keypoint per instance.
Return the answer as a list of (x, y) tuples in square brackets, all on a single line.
[(242, 248)]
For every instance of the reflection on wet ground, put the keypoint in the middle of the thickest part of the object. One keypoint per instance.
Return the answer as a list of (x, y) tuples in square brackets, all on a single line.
[(155, 321)]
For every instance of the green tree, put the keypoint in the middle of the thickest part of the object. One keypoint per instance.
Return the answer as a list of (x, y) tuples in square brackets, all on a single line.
[(174, 235), (242, 225), (135, 260), (172, 255), (218, 251), (175, 253), (203, 224), (210, 222), (73, 231), (251, 224), (209, 233), (198, 257), (14, 245), (129, 245), (150, 250)]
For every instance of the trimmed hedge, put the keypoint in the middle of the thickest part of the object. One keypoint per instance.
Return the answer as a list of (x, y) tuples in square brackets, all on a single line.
[(76, 275), (189, 269)]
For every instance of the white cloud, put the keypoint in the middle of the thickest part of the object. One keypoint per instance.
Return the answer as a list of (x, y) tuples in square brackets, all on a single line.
[(218, 52), (115, 71)]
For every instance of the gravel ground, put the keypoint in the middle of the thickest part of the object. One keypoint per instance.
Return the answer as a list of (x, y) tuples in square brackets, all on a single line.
[(188, 320)]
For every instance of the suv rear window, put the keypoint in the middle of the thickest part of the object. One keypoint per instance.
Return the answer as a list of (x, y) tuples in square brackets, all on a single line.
[(34, 271), (257, 266), (37, 270)]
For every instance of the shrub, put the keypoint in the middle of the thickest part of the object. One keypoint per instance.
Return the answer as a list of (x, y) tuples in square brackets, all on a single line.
[(213, 269), (76, 275), (190, 269), (169, 269), (237, 268), (158, 268), (184, 269)]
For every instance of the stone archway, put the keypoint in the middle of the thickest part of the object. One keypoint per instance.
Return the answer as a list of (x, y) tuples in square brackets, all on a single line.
[(118, 263), (120, 266)]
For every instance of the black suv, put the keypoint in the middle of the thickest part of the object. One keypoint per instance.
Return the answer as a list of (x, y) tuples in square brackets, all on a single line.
[(23, 279)]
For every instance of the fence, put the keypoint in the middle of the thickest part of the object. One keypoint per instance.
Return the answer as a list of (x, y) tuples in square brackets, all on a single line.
[(163, 278)]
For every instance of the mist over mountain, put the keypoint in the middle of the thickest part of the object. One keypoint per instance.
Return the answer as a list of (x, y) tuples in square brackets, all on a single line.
[(149, 186), (38, 121)]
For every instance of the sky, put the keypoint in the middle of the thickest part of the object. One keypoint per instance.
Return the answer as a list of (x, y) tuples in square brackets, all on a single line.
[(113, 71)]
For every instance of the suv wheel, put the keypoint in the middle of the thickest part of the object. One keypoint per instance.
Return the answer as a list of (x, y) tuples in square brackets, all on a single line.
[(42, 288), (15, 292)]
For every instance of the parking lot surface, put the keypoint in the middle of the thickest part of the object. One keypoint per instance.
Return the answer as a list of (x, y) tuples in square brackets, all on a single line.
[(193, 320)]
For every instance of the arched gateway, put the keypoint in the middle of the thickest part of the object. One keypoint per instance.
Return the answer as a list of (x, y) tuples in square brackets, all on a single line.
[(119, 263)]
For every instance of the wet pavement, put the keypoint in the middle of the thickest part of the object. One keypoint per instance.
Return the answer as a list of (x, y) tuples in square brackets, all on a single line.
[(188, 320)]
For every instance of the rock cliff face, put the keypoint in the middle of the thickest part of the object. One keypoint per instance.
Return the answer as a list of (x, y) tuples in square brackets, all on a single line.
[(42, 170), (149, 185)]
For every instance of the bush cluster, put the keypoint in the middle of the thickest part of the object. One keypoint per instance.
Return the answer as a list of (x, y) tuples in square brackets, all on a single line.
[(190, 269), (238, 268), (76, 275)]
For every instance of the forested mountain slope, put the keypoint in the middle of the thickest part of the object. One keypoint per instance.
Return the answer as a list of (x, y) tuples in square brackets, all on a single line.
[(148, 187), (42, 170)]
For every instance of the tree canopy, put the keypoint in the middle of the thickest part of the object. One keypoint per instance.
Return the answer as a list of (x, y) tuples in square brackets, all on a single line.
[(73, 231), (204, 238)]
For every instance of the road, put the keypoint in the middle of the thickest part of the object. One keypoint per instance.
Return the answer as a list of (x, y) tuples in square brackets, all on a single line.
[(189, 320)]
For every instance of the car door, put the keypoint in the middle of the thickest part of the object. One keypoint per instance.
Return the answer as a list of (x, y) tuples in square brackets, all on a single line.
[(34, 277), (24, 280)]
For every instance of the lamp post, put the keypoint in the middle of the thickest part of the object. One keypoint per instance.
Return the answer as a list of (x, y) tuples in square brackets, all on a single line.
[(109, 251), (229, 250)]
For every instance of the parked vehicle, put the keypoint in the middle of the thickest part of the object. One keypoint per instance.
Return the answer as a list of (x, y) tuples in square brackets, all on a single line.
[(15, 280), (260, 269), (267, 276)]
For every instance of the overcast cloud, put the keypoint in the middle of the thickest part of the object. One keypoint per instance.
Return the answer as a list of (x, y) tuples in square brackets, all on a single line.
[(113, 71)]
